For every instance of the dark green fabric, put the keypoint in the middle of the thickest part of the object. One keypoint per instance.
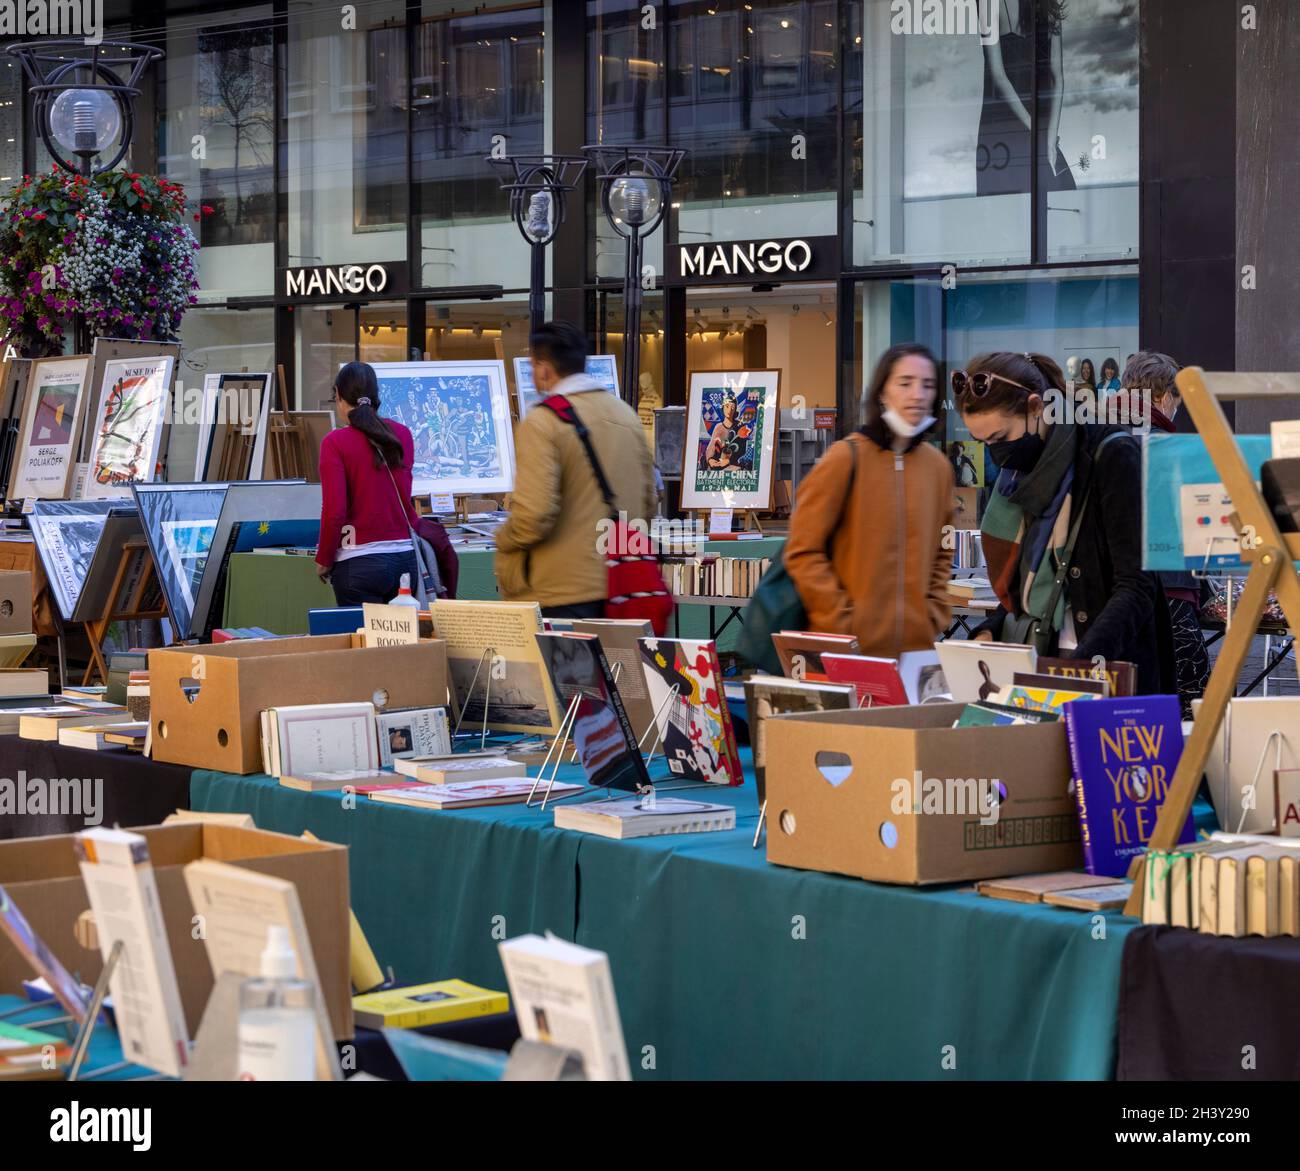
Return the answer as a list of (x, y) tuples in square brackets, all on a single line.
[(704, 941)]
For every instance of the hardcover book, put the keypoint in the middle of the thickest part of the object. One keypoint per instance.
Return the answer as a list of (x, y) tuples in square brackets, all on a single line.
[(775, 695), (801, 652), (1121, 677), (493, 658), (695, 723), (607, 746), (1123, 753), (876, 681), (618, 639), (412, 731), (975, 671), (636, 817)]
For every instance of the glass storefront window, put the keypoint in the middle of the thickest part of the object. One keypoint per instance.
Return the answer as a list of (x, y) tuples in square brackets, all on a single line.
[(965, 146), (754, 98), (343, 129), (478, 86), (461, 331), (216, 137), (1071, 315), (625, 97)]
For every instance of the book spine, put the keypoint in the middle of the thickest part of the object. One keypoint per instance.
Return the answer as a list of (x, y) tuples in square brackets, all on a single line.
[(1080, 798)]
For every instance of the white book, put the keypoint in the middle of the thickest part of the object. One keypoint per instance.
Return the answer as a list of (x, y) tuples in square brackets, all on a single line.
[(478, 768), (564, 996), (974, 671), (407, 732), (470, 794), (123, 895), (324, 737), (409, 766), (633, 817), (1286, 438), (92, 736)]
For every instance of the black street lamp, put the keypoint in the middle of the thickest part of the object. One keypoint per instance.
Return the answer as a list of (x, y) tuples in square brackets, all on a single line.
[(83, 102), (636, 186), (538, 186)]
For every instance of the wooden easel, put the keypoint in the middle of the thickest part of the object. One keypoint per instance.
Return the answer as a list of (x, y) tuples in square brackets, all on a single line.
[(1271, 556), (751, 522), (126, 602)]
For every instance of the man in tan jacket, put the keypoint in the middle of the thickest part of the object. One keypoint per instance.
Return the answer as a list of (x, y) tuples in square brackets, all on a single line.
[(549, 550)]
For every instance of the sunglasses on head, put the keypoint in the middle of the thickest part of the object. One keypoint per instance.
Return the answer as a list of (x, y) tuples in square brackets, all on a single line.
[(979, 384)]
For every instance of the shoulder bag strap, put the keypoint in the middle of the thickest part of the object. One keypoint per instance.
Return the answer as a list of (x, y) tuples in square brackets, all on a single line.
[(1067, 556), (428, 584), (563, 409)]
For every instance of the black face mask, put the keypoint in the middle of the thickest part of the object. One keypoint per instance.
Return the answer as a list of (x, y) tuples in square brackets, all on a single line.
[(1019, 455)]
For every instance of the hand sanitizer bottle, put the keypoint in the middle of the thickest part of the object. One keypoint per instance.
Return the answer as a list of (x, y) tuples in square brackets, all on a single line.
[(277, 1018), (404, 595)]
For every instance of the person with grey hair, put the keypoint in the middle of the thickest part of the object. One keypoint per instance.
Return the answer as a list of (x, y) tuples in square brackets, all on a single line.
[(1153, 401)]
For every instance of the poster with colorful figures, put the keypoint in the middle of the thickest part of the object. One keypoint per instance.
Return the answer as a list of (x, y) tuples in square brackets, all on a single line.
[(458, 414), (128, 426), (694, 721), (732, 417)]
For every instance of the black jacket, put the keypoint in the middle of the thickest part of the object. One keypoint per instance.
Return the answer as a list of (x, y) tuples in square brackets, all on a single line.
[(1119, 610)]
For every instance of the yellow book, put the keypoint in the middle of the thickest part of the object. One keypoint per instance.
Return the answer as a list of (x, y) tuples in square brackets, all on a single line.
[(1261, 895), (1288, 895), (426, 1004), (1232, 897), (1207, 887)]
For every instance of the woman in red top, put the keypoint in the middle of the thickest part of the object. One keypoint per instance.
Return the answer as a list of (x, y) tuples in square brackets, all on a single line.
[(366, 511)]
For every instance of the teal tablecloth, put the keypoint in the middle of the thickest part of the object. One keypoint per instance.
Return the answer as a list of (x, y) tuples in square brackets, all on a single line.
[(725, 966), (104, 1050)]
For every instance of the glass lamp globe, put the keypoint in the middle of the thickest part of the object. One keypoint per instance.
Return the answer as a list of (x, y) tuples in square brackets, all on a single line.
[(634, 199), (85, 121)]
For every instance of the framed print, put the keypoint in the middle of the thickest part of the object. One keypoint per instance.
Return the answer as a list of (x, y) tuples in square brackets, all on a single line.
[(66, 534), (128, 424), (180, 521), (232, 435), (601, 367), (50, 428), (458, 414), (13, 391), (104, 351), (730, 452)]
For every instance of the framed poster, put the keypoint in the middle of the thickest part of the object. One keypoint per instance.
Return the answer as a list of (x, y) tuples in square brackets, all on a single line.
[(458, 414), (601, 367), (66, 534), (179, 523), (128, 424), (50, 428), (731, 429)]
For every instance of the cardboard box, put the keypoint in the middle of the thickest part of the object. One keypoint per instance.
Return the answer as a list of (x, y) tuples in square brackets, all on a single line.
[(833, 803), (15, 601), (41, 876), (205, 701)]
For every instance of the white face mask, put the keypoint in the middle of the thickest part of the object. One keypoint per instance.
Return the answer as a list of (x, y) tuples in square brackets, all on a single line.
[(902, 428)]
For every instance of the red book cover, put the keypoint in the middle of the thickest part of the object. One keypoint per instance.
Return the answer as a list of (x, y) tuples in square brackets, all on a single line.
[(877, 681)]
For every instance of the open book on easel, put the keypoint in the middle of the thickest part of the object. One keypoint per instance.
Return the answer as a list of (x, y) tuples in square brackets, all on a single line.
[(1271, 556)]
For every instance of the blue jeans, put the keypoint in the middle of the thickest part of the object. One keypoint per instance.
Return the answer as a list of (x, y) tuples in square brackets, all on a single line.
[(374, 577)]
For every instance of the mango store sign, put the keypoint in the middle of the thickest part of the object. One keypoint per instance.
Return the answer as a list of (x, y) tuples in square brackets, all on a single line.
[(754, 260), (334, 281)]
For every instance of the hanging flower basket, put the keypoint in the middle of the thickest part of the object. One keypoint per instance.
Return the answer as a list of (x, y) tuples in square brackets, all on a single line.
[(116, 247)]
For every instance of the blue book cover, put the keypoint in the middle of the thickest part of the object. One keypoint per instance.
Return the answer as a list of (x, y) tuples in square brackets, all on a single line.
[(1123, 753)]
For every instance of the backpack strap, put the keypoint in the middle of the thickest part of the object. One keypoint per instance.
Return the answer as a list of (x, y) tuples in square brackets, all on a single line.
[(563, 409)]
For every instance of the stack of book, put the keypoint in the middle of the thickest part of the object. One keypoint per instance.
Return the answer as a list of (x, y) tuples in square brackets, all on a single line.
[(100, 737), (716, 577), (1228, 884), (47, 724), (965, 590), (137, 695)]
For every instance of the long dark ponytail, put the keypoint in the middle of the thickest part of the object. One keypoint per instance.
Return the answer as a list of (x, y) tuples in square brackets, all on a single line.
[(357, 386)]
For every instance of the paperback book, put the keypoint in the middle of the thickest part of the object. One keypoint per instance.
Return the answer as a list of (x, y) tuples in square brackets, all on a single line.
[(412, 731), (637, 817)]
